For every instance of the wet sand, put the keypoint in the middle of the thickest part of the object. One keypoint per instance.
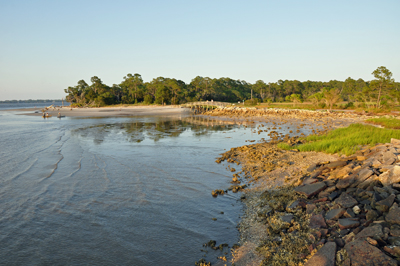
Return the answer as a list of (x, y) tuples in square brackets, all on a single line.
[(108, 111)]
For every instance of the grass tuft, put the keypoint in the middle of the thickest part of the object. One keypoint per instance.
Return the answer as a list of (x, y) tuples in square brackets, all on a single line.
[(393, 123), (346, 140)]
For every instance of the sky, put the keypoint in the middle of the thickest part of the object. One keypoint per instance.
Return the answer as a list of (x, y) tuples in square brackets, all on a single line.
[(46, 46)]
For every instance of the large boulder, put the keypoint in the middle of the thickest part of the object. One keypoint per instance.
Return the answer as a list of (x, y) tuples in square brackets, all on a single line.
[(361, 253)]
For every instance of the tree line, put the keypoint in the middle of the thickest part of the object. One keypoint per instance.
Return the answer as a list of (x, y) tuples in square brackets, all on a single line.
[(381, 91)]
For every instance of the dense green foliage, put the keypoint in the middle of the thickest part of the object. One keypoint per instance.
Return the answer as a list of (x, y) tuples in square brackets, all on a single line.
[(393, 123), (346, 140), (382, 91)]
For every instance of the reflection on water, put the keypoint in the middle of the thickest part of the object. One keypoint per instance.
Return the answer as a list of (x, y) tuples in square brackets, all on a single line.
[(155, 130), (114, 191)]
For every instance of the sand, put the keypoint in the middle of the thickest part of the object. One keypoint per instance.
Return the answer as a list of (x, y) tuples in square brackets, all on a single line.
[(108, 111)]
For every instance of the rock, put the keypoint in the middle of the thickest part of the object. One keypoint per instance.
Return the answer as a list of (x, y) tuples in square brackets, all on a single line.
[(385, 204), (287, 218), (295, 205), (345, 182), (310, 208), (385, 168), (348, 223), (316, 173), (374, 232), (362, 176), (323, 194), (389, 161), (356, 209), (308, 181), (311, 189), (394, 251), (375, 198), (334, 214), (362, 253), (325, 256), (336, 164), (333, 195), (361, 158), (388, 155), (346, 201), (394, 214), (340, 242), (395, 230), (341, 256), (368, 181), (344, 232), (390, 177), (372, 241), (317, 221), (371, 215), (349, 213), (375, 163), (349, 237), (311, 168), (339, 173), (330, 189), (394, 240), (395, 141)]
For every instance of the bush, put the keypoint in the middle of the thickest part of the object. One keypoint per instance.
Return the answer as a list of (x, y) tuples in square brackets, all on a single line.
[(253, 101), (349, 105)]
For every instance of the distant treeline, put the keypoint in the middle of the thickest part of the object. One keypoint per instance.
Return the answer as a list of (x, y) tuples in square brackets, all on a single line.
[(173, 91), (30, 101)]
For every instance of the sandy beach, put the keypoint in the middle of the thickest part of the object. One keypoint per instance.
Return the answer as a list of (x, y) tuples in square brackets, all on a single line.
[(107, 111)]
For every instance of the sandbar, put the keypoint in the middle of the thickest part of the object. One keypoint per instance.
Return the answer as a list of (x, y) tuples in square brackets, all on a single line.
[(108, 111)]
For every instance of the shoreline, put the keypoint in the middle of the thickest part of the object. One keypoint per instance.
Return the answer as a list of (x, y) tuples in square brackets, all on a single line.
[(327, 227), (106, 111)]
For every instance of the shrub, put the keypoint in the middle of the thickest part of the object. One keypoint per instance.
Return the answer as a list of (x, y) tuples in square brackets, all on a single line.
[(253, 101)]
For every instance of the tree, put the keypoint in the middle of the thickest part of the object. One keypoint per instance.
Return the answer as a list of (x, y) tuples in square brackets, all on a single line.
[(295, 98), (331, 96), (316, 98), (382, 83), (133, 84)]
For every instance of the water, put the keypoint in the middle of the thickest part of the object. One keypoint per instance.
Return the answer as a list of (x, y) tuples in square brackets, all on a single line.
[(5, 106), (114, 191)]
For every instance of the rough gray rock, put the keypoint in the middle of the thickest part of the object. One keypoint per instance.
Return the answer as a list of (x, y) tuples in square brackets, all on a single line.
[(325, 256)]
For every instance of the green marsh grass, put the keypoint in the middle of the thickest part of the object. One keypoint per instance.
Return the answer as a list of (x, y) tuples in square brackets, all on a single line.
[(386, 122), (345, 140)]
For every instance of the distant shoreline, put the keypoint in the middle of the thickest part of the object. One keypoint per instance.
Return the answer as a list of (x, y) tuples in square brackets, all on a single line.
[(107, 111)]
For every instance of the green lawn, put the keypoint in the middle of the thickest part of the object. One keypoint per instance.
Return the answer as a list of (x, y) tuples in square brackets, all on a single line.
[(345, 140)]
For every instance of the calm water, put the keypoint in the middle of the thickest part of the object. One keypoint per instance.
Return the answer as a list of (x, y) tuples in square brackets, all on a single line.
[(114, 191), (4, 106)]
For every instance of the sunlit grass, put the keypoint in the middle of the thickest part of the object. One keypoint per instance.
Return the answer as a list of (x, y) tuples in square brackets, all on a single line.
[(393, 123), (346, 140)]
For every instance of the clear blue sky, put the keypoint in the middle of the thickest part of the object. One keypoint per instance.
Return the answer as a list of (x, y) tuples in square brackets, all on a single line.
[(46, 46)]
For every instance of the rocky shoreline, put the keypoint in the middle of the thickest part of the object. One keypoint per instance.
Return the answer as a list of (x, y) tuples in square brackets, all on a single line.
[(312, 208)]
